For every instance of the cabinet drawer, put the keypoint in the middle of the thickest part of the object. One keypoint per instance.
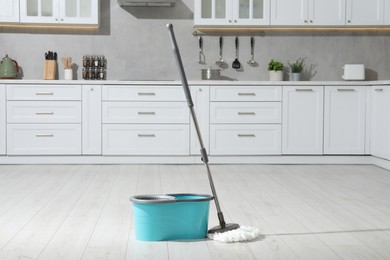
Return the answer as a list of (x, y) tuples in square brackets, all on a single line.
[(142, 93), (44, 139), (246, 93), (245, 139), (145, 139), (44, 112), (245, 112), (43, 92), (145, 112)]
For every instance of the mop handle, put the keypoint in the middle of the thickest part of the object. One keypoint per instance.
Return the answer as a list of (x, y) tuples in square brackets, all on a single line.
[(194, 119)]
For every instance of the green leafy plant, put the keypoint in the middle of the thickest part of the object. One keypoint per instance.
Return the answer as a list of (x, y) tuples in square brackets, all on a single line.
[(275, 65), (297, 66)]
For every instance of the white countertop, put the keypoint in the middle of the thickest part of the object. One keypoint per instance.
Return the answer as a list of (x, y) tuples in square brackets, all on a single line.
[(200, 82)]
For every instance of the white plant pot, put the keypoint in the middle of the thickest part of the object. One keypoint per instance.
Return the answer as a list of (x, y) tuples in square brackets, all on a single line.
[(295, 76), (275, 75)]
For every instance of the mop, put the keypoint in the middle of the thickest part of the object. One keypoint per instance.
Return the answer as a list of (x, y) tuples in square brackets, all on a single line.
[(225, 232)]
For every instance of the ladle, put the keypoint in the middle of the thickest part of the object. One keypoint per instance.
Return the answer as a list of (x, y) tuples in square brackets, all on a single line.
[(220, 62), (252, 62)]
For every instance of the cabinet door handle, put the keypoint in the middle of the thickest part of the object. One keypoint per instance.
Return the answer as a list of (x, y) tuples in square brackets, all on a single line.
[(303, 89), (246, 113), (146, 94), (44, 135), (44, 113), (246, 135), (345, 89), (246, 94), (146, 113), (44, 93), (379, 89), (146, 135)]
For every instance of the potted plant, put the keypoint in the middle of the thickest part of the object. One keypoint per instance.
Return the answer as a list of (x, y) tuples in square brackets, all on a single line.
[(275, 69), (297, 68)]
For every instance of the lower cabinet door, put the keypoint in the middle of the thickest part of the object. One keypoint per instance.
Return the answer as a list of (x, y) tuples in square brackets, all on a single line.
[(256, 139), (145, 139), (44, 139)]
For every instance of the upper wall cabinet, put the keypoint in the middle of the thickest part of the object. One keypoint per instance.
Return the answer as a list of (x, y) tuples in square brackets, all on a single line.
[(320, 13), (9, 11), (308, 12), (363, 12), (60, 11), (232, 12)]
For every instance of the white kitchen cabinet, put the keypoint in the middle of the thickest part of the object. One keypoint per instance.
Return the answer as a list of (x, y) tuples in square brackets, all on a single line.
[(44, 139), (363, 12), (92, 119), (380, 122), (344, 119), (245, 120), (302, 126), (9, 11), (43, 119), (232, 12), (201, 99), (144, 120), (60, 11), (308, 12), (3, 125)]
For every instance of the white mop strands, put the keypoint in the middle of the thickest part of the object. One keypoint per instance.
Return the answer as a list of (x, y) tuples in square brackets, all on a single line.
[(243, 233)]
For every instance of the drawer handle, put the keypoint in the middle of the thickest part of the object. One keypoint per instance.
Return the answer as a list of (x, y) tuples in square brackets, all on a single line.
[(146, 113), (345, 89), (379, 89), (44, 135), (44, 93), (146, 94), (246, 113), (146, 135), (44, 113), (247, 94), (246, 135), (304, 89)]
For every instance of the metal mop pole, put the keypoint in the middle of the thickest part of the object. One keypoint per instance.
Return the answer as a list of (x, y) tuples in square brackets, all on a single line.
[(222, 224)]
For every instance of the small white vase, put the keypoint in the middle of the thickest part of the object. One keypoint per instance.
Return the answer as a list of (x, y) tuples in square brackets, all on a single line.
[(275, 75), (295, 76)]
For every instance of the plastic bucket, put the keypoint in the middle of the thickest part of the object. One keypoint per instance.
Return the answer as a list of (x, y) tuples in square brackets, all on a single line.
[(171, 216)]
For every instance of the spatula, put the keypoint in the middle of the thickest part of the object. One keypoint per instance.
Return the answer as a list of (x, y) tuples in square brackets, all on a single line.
[(236, 64)]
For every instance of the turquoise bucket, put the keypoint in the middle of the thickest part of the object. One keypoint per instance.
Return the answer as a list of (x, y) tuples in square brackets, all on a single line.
[(171, 216)]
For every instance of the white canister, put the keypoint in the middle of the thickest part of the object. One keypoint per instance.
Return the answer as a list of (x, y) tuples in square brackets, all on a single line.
[(68, 74)]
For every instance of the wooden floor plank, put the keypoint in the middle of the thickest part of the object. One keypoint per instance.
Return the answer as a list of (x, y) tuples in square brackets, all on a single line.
[(110, 237), (72, 237), (303, 211), (30, 241), (14, 220)]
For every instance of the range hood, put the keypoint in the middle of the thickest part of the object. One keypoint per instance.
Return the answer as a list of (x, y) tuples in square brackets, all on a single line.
[(144, 3)]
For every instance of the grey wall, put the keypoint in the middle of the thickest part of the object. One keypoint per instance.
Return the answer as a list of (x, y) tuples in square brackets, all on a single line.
[(136, 45)]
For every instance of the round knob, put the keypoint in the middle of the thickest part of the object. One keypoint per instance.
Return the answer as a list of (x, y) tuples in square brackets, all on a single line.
[(349, 21), (311, 21), (230, 21), (235, 21), (305, 21)]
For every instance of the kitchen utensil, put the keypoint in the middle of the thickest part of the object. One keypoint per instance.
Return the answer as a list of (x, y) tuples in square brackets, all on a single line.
[(236, 64), (252, 62), (220, 61), (211, 74), (9, 68), (202, 58)]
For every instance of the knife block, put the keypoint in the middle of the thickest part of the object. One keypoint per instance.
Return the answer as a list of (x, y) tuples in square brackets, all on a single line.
[(50, 69)]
